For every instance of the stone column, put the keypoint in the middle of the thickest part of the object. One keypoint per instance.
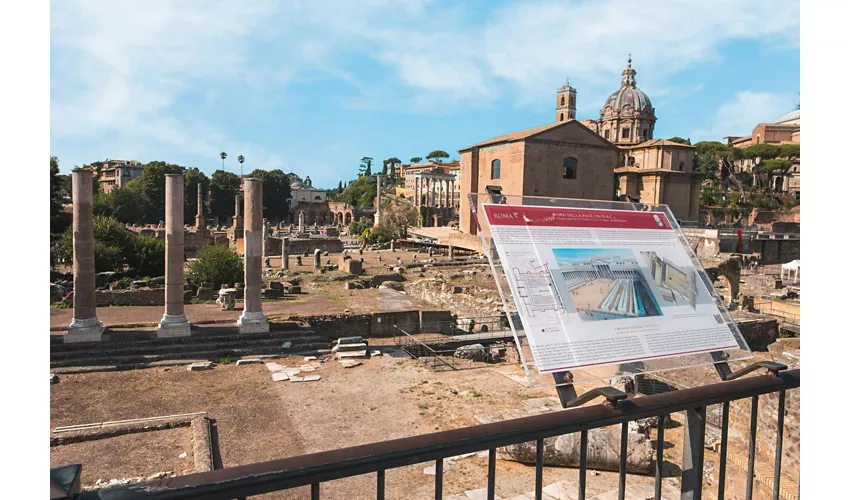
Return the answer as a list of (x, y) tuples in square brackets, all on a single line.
[(200, 223), (433, 184), (416, 191), (84, 327), (451, 252), (301, 227), (378, 202), (317, 259), (284, 254), (174, 322), (237, 219), (253, 320)]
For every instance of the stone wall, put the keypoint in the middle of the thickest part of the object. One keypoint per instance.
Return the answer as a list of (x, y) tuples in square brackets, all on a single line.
[(758, 331), (777, 251), (369, 325), (140, 297)]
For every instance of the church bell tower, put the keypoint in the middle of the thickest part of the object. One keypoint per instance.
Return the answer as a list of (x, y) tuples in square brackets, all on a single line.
[(565, 108)]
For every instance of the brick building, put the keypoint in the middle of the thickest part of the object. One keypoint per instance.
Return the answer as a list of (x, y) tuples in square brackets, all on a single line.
[(562, 159)]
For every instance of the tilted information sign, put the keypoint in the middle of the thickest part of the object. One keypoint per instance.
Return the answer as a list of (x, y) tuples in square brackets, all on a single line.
[(597, 287)]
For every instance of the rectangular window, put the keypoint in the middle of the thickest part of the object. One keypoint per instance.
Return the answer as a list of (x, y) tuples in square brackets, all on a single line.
[(625, 132), (606, 134), (570, 168)]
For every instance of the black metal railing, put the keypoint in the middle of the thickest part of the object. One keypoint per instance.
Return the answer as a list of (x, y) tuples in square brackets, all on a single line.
[(378, 458)]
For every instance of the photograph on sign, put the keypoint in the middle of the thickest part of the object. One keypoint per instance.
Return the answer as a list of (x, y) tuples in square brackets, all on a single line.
[(596, 287)]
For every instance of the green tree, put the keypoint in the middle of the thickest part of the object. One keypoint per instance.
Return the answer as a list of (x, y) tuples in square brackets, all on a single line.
[(276, 193), (680, 140), (59, 219), (391, 163), (151, 185), (224, 186), (116, 246), (415, 159), (366, 166), (397, 216), (437, 154), (357, 227), (216, 264), (360, 192)]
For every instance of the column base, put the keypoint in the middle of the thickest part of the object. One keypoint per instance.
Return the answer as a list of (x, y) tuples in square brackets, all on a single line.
[(84, 330), (253, 322), (173, 326)]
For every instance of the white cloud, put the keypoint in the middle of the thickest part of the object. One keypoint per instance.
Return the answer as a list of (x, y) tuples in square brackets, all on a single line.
[(121, 70), (739, 116)]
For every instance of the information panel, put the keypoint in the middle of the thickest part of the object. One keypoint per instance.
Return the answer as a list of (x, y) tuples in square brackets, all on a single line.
[(600, 287)]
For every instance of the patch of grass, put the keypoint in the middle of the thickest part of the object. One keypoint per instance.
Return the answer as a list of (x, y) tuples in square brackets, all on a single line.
[(476, 394), (60, 305), (423, 406), (225, 360)]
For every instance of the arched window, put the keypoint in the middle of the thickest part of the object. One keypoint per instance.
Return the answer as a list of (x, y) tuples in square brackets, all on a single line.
[(570, 168), (318, 198), (496, 169), (562, 117), (562, 100), (572, 101), (681, 166)]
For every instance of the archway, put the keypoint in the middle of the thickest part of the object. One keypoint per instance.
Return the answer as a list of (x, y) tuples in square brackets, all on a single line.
[(347, 218)]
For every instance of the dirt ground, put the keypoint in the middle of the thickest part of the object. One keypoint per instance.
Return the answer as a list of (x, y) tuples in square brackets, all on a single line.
[(257, 419), (152, 452)]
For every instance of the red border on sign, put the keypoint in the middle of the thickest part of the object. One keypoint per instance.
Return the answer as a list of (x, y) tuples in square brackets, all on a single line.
[(521, 215)]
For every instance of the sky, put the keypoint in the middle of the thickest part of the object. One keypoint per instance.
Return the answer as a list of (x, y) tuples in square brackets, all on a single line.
[(313, 86)]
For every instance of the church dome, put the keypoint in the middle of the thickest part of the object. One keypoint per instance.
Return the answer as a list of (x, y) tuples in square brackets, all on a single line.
[(296, 184), (792, 118), (628, 95)]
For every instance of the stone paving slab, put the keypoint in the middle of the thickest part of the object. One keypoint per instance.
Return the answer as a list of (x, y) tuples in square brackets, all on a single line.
[(349, 363), (274, 367), (479, 494), (307, 378), (563, 490), (279, 376), (248, 361), (195, 367), (353, 354)]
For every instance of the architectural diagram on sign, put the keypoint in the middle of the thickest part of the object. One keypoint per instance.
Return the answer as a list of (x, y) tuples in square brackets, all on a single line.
[(536, 289), (673, 281)]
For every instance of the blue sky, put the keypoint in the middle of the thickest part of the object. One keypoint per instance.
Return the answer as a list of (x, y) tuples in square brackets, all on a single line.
[(313, 86)]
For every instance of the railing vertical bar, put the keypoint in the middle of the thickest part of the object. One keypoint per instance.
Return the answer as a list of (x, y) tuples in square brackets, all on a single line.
[(659, 456), (724, 442), (381, 479), (438, 480), (314, 491), (491, 475), (751, 461), (624, 445), (582, 471), (777, 464), (538, 477)]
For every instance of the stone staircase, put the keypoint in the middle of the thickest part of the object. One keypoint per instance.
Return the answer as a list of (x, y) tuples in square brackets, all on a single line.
[(140, 348), (351, 348)]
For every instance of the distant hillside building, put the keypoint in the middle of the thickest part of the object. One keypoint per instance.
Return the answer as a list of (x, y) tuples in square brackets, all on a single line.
[(112, 174), (304, 192)]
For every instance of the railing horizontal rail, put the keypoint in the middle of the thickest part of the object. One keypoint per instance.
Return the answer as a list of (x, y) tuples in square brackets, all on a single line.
[(285, 473)]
